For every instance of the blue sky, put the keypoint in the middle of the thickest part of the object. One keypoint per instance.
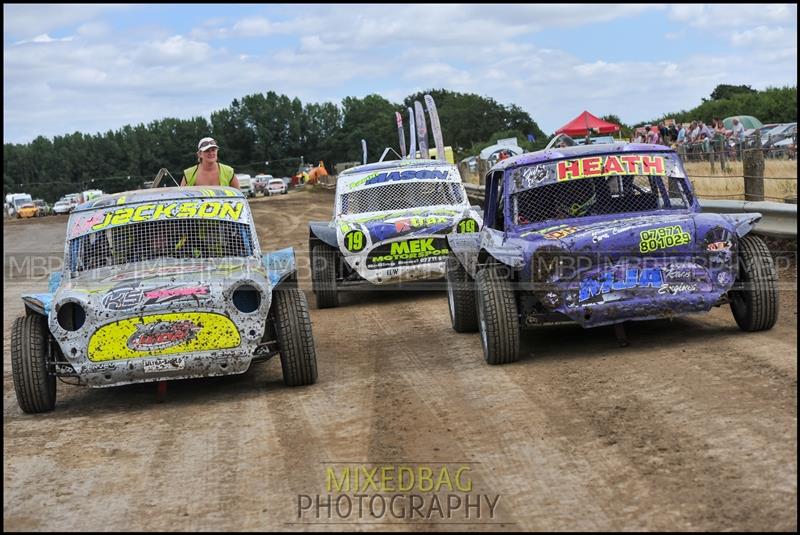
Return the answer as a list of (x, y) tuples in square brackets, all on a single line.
[(94, 68)]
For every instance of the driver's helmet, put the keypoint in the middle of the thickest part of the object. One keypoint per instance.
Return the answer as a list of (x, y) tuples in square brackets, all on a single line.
[(577, 197)]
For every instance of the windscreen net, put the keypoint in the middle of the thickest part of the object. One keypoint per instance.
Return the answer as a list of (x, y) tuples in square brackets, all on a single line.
[(402, 196), (619, 194), (152, 240)]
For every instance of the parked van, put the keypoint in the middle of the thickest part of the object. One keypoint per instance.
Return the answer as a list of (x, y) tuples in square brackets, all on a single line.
[(15, 202), (260, 183), (245, 185)]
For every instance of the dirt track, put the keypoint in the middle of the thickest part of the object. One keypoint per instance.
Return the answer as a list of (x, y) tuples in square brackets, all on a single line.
[(691, 427)]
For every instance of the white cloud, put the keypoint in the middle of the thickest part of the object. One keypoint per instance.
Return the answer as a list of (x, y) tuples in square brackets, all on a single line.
[(255, 27), (103, 79), (763, 36), (26, 20), (725, 17), (440, 74), (95, 30), (175, 50), (248, 27), (43, 38)]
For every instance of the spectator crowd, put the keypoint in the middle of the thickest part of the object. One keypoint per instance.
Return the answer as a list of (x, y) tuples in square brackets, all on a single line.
[(696, 140)]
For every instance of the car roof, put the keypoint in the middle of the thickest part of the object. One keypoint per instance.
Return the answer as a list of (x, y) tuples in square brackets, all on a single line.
[(782, 127), (379, 166), (358, 174), (160, 194), (576, 151)]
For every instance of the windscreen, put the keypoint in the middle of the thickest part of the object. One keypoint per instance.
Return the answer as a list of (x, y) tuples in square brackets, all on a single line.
[(599, 196), (598, 185), (168, 238), (401, 196)]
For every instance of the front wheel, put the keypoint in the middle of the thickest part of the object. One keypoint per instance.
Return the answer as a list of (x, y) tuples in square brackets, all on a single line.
[(498, 319), (461, 297), (323, 275), (295, 341), (754, 296), (34, 386)]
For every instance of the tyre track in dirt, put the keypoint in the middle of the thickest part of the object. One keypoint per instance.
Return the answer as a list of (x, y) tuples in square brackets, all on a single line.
[(670, 428)]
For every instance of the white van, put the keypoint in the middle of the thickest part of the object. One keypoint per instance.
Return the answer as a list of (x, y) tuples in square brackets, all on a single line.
[(15, 201), (245, 185)]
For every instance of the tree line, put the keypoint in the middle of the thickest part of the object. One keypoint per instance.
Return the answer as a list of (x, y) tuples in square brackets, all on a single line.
[(268, 127), (259, 133)]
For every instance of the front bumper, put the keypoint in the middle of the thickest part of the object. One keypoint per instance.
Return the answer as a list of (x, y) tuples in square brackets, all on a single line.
[(171, 340), (404, 260), (163, 368)]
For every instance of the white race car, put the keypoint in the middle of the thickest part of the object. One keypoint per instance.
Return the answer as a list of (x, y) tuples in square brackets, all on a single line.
[(390, 226), (391, 219), (157, 285)]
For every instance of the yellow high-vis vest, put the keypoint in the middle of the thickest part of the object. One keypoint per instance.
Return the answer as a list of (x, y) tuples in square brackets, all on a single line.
[(225, 175)]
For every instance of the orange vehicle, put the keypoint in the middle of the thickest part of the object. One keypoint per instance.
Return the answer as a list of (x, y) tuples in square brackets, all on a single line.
[(310, 175), (27, 210)]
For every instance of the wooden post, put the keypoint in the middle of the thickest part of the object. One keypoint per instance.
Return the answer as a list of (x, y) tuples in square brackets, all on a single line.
[(483, 168), (711, 153), (753, 170)]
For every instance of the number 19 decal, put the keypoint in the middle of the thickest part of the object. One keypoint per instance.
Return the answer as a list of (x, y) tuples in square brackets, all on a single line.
[(467, 225), (354, 241)]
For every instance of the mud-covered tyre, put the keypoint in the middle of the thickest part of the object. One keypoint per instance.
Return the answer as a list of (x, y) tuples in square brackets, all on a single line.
[(498, 320), (323, 275), (295, 341), (461, 297), (35, 387), (754, 296)]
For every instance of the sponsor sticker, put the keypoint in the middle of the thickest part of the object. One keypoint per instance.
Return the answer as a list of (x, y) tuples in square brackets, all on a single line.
[(419, 174), (408, 253), (720, 246), (162, 334), (122, 297), (128, 296), (609, 281), (231, 211), (164, 365), (553, 233), (663, 238), (629, 164)]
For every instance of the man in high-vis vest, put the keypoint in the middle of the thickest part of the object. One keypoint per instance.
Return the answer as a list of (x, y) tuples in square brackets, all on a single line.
[(208, 171)]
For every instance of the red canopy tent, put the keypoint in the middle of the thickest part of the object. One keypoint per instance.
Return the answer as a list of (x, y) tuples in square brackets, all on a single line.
[(586, 123)]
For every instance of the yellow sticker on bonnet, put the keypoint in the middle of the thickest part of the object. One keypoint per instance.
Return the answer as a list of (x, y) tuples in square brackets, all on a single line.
[(163, 334)]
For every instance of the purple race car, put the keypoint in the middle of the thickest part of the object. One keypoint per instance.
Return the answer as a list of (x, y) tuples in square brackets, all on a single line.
[(600, 235)]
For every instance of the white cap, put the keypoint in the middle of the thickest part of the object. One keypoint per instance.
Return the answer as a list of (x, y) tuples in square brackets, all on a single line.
[(206, 143)]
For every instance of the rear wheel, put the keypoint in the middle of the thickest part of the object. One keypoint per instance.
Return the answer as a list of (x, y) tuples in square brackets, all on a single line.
[(34, 386), (295, 341), (461, 297), (323, 275), (498, 320), (754, 296)]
